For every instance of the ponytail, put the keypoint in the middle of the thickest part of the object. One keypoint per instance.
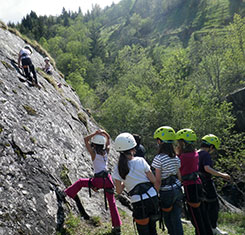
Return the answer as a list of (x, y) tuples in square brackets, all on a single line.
[(123, 168), (98, 148)]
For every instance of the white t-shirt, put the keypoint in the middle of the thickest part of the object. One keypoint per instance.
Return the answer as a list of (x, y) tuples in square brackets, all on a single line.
[(168, 166), (137, 174), (25, 53), (47, 67), (100, 163)]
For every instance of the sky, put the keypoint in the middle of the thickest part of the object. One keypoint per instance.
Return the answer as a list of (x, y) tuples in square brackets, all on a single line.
[(15, 10)]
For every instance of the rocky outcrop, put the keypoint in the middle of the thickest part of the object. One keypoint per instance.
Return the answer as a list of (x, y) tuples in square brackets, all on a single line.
[(41, 146), (237, 99)]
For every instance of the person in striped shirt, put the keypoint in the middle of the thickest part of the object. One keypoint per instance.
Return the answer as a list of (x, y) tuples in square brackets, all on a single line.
[(168, 183)]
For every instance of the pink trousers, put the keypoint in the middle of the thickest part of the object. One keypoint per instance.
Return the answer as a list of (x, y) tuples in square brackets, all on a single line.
[(98, 183)]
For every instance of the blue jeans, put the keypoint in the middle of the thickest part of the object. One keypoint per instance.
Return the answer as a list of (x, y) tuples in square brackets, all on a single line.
[(172, 218)]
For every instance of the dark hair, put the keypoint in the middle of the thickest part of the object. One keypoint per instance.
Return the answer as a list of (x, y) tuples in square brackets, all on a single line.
[(98, 148), (189, 148), (186, 147), (206, 145), (137, 138), (123, 168), (166, 148)]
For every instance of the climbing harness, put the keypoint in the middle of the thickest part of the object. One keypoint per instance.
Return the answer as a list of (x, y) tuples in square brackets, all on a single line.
[(193, 176), (104, 175), (169, 181), (205, 181), (141, 189)]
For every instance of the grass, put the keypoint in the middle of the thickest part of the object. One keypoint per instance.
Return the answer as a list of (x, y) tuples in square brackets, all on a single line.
[(3, 26), (82, 118), (73, 103), (49, 78), (30, 110), (7, 65), (234, 224)]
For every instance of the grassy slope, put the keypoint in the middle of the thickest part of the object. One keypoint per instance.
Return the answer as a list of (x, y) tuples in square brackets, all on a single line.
[(234, 224)]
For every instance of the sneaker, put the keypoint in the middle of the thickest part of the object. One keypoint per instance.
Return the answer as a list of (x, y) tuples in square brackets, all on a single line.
[(218, 231), (116, 231)]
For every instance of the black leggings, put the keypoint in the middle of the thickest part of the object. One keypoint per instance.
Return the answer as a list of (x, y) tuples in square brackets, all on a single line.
[(27, 64), (211, 202), (147, 208), (198, 215)]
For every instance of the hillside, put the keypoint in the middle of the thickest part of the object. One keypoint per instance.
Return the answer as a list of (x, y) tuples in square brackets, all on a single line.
[(166, 22), (41, 146), (170, 23)]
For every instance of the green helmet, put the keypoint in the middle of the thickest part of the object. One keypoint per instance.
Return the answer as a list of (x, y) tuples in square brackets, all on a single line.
[(211, 139), (165, 134), (187, 135)]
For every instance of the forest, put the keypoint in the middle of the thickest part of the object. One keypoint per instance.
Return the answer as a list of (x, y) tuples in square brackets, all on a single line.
[(141, 64)]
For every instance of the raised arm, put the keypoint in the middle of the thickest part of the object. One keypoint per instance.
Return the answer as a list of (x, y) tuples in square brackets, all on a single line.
[(87, 143), (107, 145)]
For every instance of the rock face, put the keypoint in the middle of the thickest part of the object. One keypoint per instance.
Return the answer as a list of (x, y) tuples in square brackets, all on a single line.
[(237, 98), (41, 144)]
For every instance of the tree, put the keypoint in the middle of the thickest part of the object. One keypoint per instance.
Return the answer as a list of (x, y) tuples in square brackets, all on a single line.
[(97, 47), (211, 68), (85, 93)]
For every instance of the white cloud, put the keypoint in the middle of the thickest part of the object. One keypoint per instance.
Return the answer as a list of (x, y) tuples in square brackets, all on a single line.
[(15, 10)]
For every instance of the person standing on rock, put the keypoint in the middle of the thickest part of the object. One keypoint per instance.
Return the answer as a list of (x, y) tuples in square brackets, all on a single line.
[(98, 145), (26, 63), (210, 144), (134, 174)]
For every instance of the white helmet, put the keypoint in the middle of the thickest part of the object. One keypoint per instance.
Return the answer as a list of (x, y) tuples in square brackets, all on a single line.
[(99, 139), (125, 141), (46, 58)]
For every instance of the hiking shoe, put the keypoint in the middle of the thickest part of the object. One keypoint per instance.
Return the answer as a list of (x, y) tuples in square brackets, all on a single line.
[(116, 231), (60, 194), (218, 231)]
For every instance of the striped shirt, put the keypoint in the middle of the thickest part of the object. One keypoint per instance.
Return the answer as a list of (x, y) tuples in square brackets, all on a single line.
[(168, 166)]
